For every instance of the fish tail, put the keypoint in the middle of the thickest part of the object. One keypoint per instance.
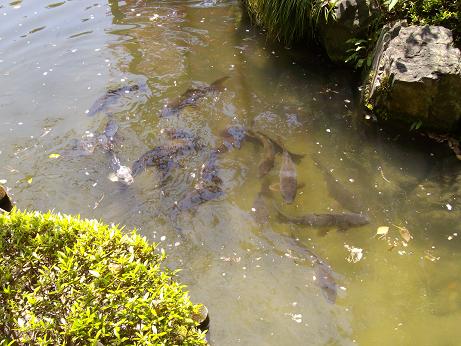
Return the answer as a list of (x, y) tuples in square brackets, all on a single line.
[(296, 157), (218, 83)]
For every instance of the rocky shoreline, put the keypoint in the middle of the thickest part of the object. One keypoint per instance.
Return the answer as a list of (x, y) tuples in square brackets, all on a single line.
[(411, 74)]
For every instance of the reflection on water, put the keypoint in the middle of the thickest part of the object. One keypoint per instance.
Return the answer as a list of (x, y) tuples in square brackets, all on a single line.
[(260, 277)]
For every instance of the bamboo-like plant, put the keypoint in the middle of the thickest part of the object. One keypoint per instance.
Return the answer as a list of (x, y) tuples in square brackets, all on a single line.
[(290, 20)]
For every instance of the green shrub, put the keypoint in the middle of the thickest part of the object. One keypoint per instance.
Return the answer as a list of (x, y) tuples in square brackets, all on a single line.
[(446, 13), (433, 12), (66, 281)]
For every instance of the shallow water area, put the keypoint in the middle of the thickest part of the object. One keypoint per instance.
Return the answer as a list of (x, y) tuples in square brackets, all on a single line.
[(258, 282)]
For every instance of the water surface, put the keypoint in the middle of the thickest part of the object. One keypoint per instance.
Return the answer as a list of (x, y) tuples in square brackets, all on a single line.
[(58, 58)]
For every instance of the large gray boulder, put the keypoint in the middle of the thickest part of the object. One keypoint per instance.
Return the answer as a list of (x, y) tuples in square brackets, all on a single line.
[(416, 77), (352, 20)]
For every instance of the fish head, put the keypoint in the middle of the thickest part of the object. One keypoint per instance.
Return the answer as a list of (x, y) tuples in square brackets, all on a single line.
[(354, 220), (362, 219)]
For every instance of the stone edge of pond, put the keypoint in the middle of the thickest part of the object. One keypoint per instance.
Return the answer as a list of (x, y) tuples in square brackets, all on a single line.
[(63, 274), (5, 201)]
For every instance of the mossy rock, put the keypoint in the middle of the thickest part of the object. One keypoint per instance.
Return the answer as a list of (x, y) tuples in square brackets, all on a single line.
[(416, 77), (67, 281)]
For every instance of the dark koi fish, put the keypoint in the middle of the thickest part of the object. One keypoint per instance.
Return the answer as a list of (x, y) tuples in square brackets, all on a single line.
[(109, 98), (191, 97)]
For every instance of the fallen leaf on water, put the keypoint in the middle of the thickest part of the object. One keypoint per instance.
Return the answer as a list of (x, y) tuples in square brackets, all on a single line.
[(29, 180), (382, 231), (54, 156), (404, 233)]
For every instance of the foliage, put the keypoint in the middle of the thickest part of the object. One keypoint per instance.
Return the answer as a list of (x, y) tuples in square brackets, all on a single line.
[(390, 4), (360, 53), (290, 20), (67, 281), (415, 125), (433, 12)]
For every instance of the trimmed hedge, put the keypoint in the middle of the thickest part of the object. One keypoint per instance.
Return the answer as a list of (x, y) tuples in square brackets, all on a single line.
[(66, 281)]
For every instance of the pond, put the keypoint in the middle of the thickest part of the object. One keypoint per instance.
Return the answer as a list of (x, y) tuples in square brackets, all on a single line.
[(258, 274)]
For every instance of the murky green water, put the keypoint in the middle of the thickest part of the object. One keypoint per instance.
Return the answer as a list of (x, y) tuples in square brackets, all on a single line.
[(57, 59)]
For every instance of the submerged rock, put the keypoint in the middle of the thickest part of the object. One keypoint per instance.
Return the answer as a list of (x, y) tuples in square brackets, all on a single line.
[(416, 77)]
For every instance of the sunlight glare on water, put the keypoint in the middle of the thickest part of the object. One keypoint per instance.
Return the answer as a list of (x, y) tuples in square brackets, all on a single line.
[(401, 286)]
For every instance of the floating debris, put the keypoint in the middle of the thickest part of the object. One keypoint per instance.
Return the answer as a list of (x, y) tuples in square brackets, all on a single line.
[(382, 231), (298, 318), (404, 233), (355, 254), (428, 254)]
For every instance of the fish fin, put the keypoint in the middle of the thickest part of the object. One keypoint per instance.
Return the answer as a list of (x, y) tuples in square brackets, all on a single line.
[(296, 157), (277, 142), (112, 177), (274, 187), (217, 84)]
